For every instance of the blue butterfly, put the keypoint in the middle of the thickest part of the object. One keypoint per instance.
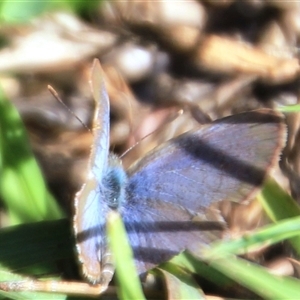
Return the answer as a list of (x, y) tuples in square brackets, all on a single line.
[(160, 196)]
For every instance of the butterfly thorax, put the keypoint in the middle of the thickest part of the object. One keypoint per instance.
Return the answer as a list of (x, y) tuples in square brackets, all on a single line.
[(114, 182)]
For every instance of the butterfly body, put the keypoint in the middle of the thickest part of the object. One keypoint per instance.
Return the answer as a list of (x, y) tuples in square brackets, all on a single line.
[(162, 197), (114, 182)]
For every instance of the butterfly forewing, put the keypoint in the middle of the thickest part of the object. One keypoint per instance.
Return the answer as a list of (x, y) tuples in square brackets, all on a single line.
[(227, 159), (100, 147), (90, 205)]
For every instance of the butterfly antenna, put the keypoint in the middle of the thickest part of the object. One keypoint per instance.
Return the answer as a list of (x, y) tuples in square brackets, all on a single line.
[(56, 96), (130, 115), (168, 120)]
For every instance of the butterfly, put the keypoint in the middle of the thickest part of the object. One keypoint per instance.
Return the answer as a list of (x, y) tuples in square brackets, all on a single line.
[(162, 196)]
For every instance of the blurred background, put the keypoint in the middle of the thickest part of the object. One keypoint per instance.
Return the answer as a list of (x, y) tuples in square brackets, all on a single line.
[(169, 66)]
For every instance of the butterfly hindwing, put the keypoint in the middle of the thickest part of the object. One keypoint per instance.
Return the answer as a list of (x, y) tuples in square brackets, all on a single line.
[(159, 231)]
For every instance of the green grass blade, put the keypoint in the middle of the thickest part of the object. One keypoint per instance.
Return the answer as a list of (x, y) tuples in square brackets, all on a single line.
[(279, 206), (276, 202), (27, 245), (22, 186), (22, 11), (128, 280), (257, 278), (179, 283), (34, 249), (289, 108), (193, 265), (268, 235)]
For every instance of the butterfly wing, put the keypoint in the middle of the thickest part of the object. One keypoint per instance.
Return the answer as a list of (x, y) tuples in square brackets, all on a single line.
[(90, 209), (227, 159), (159, 231)]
